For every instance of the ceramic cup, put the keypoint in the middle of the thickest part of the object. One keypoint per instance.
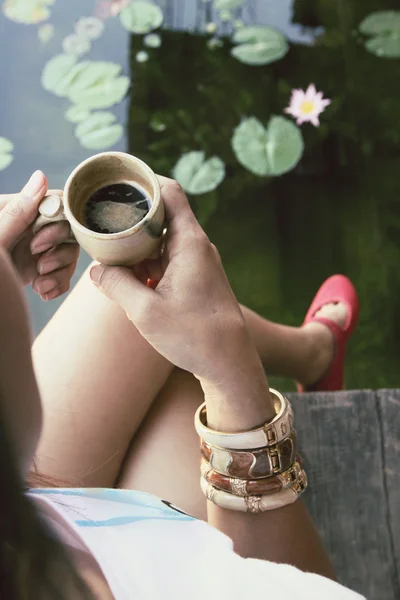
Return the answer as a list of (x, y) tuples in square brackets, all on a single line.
[(127, 247)]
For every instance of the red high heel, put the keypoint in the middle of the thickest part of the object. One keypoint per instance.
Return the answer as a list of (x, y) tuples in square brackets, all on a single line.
[(337, 288)]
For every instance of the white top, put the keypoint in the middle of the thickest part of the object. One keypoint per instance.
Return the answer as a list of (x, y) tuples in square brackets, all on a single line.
[(147, 549)]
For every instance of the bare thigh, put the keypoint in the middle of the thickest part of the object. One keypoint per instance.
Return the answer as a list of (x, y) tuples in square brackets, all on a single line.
[(97, 378), (164, 457)]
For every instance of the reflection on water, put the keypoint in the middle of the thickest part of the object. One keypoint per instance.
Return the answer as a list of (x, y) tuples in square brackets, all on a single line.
[(288, 203)]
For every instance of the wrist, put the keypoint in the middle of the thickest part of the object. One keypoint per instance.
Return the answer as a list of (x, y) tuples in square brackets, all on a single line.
[(238, 397)]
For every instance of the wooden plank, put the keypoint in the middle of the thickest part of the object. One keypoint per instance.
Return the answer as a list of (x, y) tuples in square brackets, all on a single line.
[(341, 442), (389, 409)]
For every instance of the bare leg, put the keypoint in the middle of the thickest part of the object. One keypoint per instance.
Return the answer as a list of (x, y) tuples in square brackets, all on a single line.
[(164, 458), (152, 467), (98, 379), (299, 353)]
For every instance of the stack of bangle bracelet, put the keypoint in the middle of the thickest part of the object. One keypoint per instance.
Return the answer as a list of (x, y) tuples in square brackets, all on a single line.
[(252, 471)]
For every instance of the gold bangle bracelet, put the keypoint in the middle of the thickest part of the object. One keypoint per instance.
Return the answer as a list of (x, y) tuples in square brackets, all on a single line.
[(271, 433), (253, 487), (252, 464), (252, 504)]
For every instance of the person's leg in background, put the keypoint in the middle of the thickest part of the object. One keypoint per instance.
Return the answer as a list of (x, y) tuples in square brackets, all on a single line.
[(300, 353)]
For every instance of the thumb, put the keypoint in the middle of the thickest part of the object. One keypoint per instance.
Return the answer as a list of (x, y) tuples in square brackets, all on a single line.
[(120, 285), (20, 210)]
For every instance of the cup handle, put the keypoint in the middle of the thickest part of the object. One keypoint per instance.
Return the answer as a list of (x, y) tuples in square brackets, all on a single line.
[(51, 210)]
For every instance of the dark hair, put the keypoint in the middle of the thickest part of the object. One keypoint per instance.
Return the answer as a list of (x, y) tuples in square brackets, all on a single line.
[(33, 563)]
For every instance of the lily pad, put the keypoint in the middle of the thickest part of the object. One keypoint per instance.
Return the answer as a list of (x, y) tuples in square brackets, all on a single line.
[(101, 95), (6, 146), (93, 73), (385, 46), (142, 56), (76, 114), (29, 12), (141, 17), (238, 23), (152, 40), (382, 21), (103, 138), (55, 71), (225, 15), (211, 27), (64, 86), (46, 33), (5, 161), (197, 175), (76, 45), (88, 84), (259, 45), (384, 26), (97, 120), (228, 4), (6, 150), (91, 28), (269, 151), (99, 131)]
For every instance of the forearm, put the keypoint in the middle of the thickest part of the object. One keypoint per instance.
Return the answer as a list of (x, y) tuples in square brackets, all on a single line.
[(285, 535)]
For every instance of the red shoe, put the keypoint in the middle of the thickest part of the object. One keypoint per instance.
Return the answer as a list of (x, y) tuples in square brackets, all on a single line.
[(337, 288)]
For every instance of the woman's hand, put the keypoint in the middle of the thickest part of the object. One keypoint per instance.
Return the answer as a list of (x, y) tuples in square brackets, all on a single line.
[(192, 317), (44, 260)]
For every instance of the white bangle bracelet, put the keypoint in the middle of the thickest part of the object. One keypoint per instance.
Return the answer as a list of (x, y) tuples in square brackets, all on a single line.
[(271, 433), (253, 504)]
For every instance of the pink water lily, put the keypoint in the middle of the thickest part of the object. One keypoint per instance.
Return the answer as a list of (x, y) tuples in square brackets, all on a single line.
[(110, 8), (118, 5), (306, 106)]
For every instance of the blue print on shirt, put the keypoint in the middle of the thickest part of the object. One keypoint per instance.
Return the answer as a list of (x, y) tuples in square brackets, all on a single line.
[(154, 508), (117, 521)]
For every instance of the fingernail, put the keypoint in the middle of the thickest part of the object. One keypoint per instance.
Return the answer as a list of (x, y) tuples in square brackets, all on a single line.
[(95, 273), (45, 286), (34, 185), (47, 267), (37, 249)]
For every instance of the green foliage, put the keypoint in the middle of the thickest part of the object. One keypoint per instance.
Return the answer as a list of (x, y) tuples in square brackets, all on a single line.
[(337, 211)]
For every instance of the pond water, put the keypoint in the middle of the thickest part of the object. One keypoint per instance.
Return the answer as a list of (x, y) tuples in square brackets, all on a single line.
[(204, 97)]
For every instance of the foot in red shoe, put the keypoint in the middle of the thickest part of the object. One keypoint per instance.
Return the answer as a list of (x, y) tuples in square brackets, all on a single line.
[(329, 323)]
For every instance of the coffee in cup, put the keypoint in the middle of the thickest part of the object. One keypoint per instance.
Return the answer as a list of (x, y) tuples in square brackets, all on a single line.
[(113, 204)]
